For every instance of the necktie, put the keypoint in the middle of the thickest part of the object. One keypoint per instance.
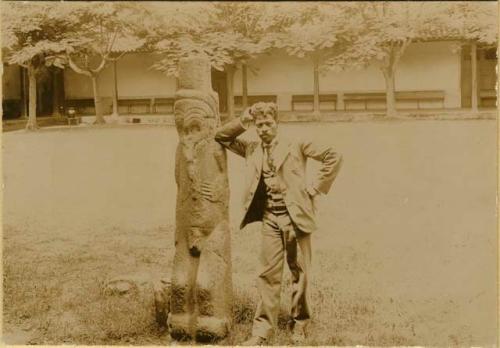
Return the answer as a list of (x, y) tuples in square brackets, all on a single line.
[(268, 149)]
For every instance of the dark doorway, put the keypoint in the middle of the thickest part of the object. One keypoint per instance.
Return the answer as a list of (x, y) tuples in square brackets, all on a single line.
[(50, 92), (486, 76), (219, 85), (44, 92)]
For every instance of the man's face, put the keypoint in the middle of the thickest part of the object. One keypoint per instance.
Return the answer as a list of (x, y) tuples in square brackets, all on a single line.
[(267, 127)]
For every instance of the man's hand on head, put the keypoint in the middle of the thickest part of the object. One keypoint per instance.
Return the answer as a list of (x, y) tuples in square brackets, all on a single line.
[(246, 117)]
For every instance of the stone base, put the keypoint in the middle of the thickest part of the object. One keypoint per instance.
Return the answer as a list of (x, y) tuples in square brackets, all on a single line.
[(210, 329), (179, 326), (162, 301), (144, 288)]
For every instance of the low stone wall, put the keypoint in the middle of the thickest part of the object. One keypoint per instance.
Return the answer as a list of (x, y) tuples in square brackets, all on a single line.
[(285, 116), (131, 119)]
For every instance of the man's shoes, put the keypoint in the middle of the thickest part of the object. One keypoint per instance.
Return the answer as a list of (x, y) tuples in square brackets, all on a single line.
[(255, 341), (299, 333)]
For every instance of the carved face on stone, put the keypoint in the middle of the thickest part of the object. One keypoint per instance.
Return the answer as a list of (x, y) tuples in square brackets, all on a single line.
[(194, 120)]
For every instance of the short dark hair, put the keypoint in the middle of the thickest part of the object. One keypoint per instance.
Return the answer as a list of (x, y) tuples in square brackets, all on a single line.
[(261, 109)]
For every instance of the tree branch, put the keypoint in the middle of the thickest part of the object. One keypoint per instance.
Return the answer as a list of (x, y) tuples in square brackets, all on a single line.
[(76, 68), (101, 66), (399, 51), (112, 42), (116, 58)]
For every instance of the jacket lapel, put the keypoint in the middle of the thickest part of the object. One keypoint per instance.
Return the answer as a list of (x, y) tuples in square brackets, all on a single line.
[(281, 152), (256, 157)]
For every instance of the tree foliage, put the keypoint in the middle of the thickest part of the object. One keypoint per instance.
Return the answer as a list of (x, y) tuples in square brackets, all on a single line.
[(99, 32), (468, 21), (336, 35), (229, 33), (31, 32)]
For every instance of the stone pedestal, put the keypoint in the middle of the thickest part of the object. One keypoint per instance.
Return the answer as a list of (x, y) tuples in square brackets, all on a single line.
[(143, 289)]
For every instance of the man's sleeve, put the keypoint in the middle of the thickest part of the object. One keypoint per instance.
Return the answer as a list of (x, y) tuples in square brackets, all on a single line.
[(227, 136), (331, 162)]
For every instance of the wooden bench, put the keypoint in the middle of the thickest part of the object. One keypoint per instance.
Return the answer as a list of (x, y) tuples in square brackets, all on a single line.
[(159, 103), (420, 96), (363, 97), (309, 99), (131, 105), (488, 97), (84, 106), (417, 96)]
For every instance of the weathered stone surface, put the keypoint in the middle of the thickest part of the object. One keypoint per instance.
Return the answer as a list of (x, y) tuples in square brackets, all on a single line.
[(128, 285), (162, 301), (143, 288), (201, 290)]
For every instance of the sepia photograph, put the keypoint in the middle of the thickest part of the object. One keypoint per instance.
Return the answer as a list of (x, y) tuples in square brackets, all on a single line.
[(246, 173)]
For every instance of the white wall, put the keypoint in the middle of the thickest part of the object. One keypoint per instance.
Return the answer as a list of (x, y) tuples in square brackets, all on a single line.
[(425, 66), (431, 66), (134, 75)]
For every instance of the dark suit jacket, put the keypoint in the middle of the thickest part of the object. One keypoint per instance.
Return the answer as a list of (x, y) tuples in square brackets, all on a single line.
[(290, 157)]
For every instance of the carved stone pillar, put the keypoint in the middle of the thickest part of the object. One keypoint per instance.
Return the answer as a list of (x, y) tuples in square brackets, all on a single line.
[(201, 286)]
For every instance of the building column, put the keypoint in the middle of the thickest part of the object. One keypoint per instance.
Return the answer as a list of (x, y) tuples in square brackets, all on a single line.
[(340, 101), (244, 86), (24, 93), (316, 85), (115, 91), (475, 77)]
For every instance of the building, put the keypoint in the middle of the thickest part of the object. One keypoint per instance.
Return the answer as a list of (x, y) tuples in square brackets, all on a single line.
[(431, 75)]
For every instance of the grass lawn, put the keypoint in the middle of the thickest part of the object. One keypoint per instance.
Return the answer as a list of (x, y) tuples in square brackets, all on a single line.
[(405, 253)]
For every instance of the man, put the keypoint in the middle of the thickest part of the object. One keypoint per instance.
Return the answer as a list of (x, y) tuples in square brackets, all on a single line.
[(278, 196)]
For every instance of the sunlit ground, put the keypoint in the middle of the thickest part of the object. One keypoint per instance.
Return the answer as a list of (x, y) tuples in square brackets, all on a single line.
[(405, 253)]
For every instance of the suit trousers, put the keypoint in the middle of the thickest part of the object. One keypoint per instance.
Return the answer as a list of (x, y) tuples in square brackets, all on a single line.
[(274, 245)]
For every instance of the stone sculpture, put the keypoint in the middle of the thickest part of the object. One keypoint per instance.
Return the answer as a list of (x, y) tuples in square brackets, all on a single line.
[(201, 286)]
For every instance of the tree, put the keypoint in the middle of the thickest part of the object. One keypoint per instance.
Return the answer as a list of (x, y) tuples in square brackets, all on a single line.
[(230, 33), (100, 33), (386, 29), (173, 33), (472, 25), (31, 33), (239, 32), (312, 34), (468, 22)]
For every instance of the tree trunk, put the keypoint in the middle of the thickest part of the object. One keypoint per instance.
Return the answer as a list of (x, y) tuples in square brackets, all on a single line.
[(24, 93), (31, 124), (115, 91), (390, 91), (316, 86), (230, 91), (244, 87), (474, 70), (99, 119)]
